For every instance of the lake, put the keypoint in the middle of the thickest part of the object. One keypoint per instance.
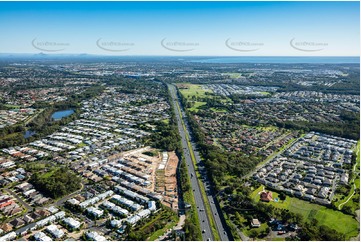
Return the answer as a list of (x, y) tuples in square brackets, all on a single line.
[(29, 133), (62, 114)]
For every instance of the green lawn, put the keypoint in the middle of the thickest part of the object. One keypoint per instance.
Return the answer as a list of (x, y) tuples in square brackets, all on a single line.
[(261, 229), (255, 193), (337, 220), (166, 121), (81, 145)]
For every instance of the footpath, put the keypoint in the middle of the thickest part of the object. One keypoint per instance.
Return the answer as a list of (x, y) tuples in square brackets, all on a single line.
[(179, 226)]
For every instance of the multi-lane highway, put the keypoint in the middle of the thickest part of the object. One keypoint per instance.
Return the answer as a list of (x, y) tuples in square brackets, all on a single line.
[(195, 182)]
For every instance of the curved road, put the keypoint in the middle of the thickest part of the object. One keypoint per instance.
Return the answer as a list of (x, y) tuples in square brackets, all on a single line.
[(195, 183)]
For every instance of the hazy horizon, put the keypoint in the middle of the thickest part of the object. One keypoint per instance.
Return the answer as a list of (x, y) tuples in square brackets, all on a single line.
[(181, 28)]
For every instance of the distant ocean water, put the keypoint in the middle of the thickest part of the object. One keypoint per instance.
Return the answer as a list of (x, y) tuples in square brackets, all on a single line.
[(281, 60)]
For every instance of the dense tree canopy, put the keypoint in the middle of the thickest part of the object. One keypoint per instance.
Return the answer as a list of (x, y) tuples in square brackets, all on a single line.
[(57, 183)]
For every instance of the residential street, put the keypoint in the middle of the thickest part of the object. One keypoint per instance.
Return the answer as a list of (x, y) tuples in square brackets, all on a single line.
[(27, 206)]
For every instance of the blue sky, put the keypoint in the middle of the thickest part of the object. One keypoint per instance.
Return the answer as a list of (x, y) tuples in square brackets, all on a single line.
[(186, 28)]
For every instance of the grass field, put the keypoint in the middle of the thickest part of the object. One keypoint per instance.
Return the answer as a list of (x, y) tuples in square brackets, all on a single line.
[(192, 91), (196, 105), (337, 220), (189, 90)]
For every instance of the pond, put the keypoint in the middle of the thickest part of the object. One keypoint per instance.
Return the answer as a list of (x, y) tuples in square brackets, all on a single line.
[(29, 133), (61, 114)]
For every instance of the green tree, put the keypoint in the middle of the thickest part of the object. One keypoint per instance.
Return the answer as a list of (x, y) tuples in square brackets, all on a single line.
[(282, 196), (254, 234)]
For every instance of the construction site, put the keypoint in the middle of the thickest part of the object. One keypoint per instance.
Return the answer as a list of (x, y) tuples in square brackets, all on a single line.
[(157, 167)]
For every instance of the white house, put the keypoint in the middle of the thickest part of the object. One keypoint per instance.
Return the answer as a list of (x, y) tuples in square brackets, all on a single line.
[(95, 211), (152, 206), (54, 231), (74, 224), (40, 236)]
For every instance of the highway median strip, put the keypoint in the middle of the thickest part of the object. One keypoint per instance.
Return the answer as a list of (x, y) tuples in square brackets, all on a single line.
[(203, 192), (188, 197)]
